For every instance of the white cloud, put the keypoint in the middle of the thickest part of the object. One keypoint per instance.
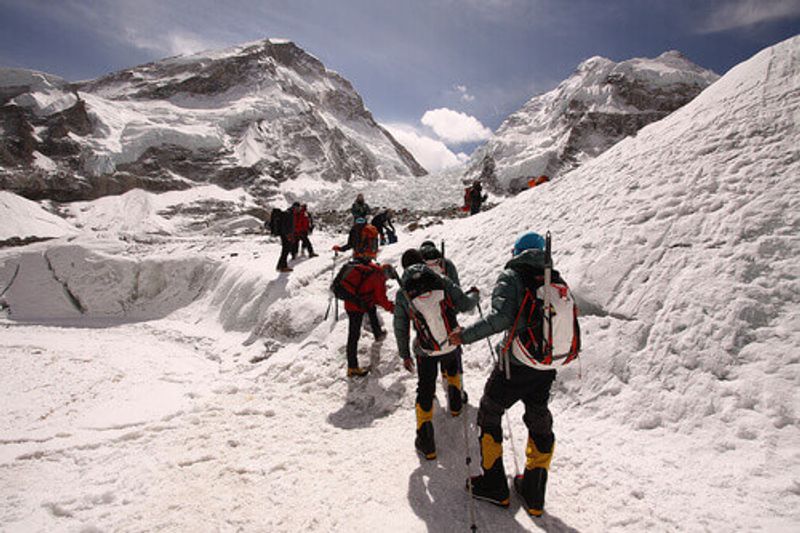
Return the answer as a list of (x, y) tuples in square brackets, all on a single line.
[(462, 90), (454, 127), (431, 153), (742, 13), (169, 43)]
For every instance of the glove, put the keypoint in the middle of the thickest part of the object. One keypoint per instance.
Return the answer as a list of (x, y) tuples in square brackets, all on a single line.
[(408, 363), (474, 289), (455, 337), (337, 248)]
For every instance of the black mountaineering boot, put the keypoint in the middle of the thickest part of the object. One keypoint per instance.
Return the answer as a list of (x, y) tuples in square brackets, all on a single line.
[(532, 485), (492, 486), (425, 443), (454, 396)]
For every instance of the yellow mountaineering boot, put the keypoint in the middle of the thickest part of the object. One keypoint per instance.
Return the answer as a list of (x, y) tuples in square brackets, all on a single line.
[(492, 485), (424, 442), (357, 372), (531, 486)]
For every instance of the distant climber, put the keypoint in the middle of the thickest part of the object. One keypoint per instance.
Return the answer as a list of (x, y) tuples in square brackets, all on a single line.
[(474, 198), (303, 226), (534, 181), (362, 239), (383, 222), (360, 209), (281, 224), (430, 302)]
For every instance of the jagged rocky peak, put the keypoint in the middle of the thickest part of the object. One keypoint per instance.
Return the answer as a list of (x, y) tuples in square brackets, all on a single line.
[(600, 104), (206, 73), (257, 116)]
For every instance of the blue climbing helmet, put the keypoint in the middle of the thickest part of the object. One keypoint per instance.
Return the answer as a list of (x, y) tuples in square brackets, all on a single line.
[(528, 241)]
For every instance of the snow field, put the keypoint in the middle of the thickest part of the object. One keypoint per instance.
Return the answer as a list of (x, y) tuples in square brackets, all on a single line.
[(680, 244)]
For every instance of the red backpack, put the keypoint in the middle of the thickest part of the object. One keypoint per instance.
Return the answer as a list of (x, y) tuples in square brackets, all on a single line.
[(349, 279)]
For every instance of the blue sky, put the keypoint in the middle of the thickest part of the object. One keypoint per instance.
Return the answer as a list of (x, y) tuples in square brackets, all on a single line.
[(464, 65)]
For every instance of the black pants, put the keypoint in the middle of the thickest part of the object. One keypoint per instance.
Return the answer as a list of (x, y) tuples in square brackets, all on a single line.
[(306, 244), (474, 209), (355, 319), (527, 384), (286, 248), (427, 370)]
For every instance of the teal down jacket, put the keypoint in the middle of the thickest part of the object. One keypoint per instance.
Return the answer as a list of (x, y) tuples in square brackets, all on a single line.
[(506, 300), (402, 317)]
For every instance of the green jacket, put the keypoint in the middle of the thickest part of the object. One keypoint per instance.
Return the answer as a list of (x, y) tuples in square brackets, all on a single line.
[(402, 317), (360, 210), (507, 297)]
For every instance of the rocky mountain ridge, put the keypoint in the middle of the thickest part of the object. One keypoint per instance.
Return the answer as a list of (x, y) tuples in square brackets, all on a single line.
[(600, 104), (252, 116)]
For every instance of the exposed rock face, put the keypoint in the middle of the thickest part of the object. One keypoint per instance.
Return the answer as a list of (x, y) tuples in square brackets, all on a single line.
[(253, 116), (601, 104)]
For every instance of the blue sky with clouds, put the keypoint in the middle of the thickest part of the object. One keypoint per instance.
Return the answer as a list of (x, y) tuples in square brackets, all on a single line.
[(443, 73)]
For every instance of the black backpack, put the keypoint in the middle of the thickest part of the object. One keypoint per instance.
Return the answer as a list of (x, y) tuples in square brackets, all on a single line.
[(276, 222)]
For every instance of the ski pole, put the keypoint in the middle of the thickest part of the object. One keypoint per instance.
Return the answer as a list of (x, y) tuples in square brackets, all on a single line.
[(336, 304), (471, 505)]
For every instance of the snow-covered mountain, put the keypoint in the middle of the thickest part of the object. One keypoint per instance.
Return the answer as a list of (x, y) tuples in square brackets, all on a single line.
[(256, 115), (600, 104), (199, 389)]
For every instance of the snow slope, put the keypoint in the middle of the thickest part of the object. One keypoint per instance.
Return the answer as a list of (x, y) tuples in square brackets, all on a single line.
[(229, 409), (23, 218)]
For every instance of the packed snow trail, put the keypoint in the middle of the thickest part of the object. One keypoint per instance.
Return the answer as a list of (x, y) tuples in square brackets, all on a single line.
[(681, 245)]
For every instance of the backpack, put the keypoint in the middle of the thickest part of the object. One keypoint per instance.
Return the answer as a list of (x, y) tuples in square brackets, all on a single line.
[(276, 222), (367, 243), (432, 311), (467, 198), (349, 279), (525, 339)]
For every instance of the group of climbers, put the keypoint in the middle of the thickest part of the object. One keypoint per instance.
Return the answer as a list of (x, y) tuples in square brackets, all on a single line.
[(531, 304), (474, 198), (292, 226)]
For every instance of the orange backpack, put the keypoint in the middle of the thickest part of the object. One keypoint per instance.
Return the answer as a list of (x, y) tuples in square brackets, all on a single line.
[(367, 245)]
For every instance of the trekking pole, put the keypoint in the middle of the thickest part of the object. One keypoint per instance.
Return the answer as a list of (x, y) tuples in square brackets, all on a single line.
[(330, 296), (547, 341), (471, 505), (336, 298)]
